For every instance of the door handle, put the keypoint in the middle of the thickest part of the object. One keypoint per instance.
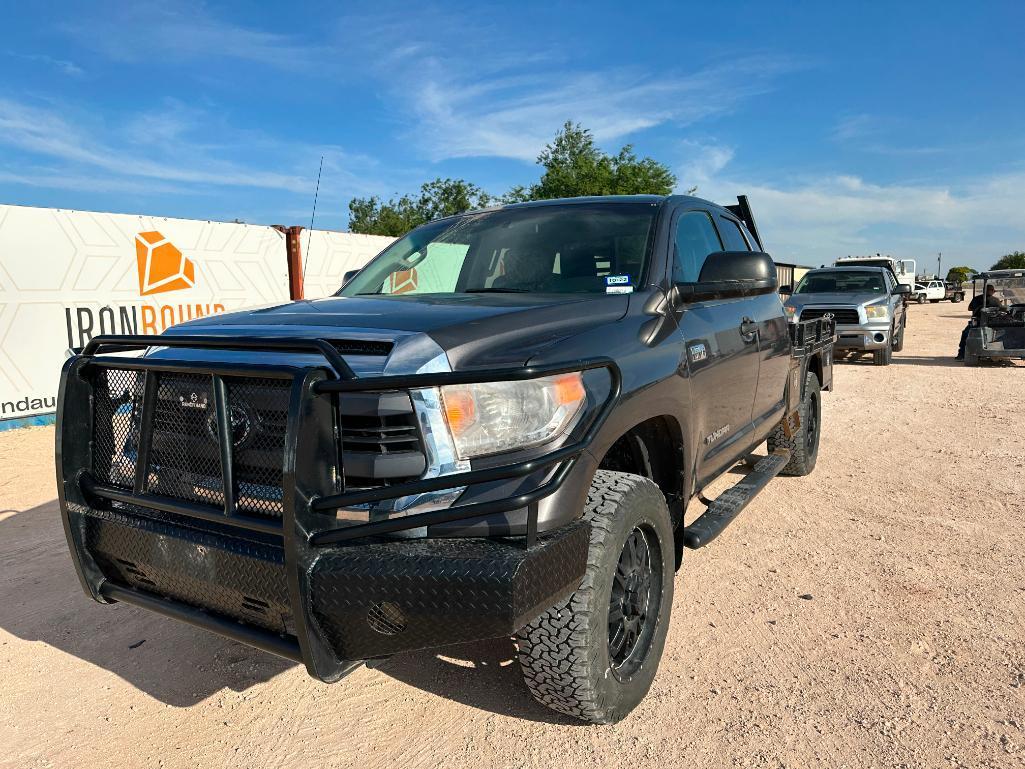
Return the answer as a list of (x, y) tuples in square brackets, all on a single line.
[(748, 329)]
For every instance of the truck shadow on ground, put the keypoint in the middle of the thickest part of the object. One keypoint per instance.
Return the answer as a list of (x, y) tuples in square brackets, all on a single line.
[(41, 600), (483, 674), (946, 361)]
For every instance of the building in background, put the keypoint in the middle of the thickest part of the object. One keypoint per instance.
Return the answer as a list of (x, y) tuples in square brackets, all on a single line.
[(789, 274)]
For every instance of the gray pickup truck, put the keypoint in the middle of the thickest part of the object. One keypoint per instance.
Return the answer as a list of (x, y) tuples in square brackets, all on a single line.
[(867, 303), (493, 429)]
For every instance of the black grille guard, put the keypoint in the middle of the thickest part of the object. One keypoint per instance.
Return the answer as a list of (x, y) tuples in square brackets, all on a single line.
[(307, 483)]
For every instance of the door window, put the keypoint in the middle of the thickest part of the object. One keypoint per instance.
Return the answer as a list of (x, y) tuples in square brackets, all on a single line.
[(695, 239), (732, 236)]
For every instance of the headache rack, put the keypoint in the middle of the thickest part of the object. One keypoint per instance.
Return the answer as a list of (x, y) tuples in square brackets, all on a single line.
[(811, 335), (248, 457)]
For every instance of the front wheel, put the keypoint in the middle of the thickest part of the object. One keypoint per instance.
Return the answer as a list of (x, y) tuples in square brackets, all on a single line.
[(882, 357), (594, 655), (921, 298), (898, 340)]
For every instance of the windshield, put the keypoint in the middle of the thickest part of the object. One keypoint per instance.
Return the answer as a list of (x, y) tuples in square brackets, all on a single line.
[(842, 282), (1010, 291), (578, 248)]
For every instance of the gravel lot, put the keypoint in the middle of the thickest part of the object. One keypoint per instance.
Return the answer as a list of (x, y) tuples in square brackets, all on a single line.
[(909, 653)]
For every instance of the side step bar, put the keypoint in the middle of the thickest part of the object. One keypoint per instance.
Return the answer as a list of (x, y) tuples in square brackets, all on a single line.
[(727, 506)]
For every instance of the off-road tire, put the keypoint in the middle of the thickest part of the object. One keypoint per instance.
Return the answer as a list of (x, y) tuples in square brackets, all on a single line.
[(921, 299), (883, 356), (898, 340), (804, 450), (564, 654)]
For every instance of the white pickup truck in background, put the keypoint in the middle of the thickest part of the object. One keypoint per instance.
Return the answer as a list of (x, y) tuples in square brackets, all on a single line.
[(934, 291)]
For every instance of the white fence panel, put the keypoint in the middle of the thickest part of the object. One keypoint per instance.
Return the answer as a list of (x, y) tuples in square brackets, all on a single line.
[(66, 276)]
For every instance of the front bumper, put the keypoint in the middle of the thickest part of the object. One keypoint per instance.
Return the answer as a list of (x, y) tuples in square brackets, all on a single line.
[(302, 582), (365, 601), (850, 337)]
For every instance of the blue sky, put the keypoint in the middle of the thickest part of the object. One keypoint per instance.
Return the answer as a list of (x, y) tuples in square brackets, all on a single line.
[(894, 127)]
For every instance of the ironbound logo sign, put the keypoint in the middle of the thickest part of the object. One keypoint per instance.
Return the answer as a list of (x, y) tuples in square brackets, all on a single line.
[(162, 267)]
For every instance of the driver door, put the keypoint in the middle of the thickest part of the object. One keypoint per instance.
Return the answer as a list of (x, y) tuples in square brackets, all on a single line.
[(720, 349)]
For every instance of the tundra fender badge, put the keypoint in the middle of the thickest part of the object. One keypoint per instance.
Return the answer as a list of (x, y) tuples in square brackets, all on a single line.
[(710, 439)]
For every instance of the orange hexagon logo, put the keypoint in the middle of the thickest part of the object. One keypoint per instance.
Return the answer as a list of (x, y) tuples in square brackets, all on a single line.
[(162, 267), (403, 281)]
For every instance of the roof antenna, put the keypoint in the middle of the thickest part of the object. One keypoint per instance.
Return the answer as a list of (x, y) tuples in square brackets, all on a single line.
[(313, 216)]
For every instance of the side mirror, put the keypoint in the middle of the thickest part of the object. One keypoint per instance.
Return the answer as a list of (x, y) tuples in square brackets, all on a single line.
[(902, 288), (349, 275), (731, 273), (745, 266)]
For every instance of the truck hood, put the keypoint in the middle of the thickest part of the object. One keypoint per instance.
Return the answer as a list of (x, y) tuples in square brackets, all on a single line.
[(472, 330), (835, 299)]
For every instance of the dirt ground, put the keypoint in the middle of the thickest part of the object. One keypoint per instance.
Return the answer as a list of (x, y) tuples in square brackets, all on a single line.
[(909, 653)]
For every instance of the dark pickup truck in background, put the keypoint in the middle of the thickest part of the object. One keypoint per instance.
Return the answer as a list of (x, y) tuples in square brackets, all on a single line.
[(495, 427)]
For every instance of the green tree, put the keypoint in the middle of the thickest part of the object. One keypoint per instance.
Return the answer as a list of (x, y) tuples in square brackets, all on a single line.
[(574, 165), (959, 274), (1013, 261), (439, 198)]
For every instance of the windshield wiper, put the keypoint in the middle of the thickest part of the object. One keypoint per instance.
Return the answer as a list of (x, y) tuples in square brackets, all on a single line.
[(496, 290)]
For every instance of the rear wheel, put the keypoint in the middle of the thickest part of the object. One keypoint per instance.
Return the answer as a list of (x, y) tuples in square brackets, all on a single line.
[(804, 443), (921, 298), (594, 655)]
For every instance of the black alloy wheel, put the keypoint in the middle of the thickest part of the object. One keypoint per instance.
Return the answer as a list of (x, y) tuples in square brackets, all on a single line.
[(634, 602)]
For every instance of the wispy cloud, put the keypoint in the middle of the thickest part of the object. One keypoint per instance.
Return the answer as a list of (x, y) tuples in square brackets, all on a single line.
[(462, 114), (873, 134), (172, 151), (475, 90), (61, 65), (456, 92), (701, 162), (184, 31), (815, 220)]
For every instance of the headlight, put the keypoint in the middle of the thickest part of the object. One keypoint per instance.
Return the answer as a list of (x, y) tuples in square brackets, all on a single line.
[(877, 312), (491, 417), (791, 312)]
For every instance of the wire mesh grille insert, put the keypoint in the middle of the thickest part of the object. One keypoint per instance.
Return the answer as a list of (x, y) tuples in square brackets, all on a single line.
[(258, 409), (184, 454), (386, 618), (840, 314), (184, 457), (116, 426)]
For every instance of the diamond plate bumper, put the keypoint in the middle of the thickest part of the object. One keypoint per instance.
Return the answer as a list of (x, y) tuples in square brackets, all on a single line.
[(374, 600)]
